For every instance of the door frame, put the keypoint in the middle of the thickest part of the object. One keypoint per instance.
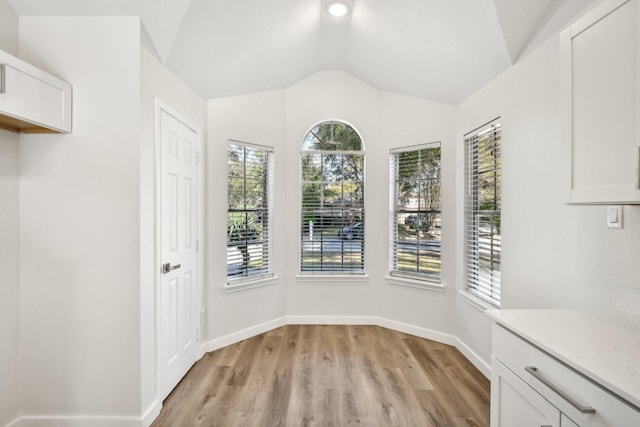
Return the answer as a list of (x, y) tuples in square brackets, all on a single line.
[(161, 106)]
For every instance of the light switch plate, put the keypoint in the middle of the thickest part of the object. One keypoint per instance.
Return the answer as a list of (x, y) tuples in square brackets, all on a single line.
[(614, 216)]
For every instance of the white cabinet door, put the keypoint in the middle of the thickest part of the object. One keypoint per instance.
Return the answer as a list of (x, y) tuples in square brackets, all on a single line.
[(31, 100), (514, 403), (566, 422), (602, 87)]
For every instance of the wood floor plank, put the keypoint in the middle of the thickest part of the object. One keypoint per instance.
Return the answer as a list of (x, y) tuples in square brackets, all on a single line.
[(279, 391), (330, 375), (354, 403)]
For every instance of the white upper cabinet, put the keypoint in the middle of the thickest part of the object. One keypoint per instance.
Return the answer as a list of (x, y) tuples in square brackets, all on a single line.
[(601, 69), (31, 100)]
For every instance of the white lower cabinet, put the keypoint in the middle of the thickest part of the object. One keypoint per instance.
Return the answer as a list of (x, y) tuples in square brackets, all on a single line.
[(530, 388), (518, 404), (566, 422)]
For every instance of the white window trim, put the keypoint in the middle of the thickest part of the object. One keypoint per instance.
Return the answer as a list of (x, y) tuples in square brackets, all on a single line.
[(425, 284), (473, 300), (269, 277), (323, 277), (395, 277), (249, 283), (329, 276), (470, 295)]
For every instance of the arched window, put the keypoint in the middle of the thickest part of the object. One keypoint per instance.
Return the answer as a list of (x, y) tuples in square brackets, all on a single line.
[(332, 200)]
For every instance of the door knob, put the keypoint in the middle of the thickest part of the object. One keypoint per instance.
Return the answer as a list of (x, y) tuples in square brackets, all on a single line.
[(168, 267)]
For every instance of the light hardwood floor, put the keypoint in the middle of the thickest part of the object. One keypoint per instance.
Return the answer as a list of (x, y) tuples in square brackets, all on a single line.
[(330, 376)]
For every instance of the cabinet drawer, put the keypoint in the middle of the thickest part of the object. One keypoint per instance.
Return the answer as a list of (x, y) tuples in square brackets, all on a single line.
[(518, 355)]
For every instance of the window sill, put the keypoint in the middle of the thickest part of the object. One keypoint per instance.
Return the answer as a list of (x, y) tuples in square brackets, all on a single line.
[(413, 283), (332, 278), (474, 301), (250, 284)]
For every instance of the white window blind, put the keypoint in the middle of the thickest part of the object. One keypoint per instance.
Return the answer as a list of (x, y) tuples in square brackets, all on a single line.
[(332, 196), (483, 185), (415, 232), (249, 194)]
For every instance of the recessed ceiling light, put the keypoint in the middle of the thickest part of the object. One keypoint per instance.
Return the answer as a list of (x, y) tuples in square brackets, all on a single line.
[(338, 9)]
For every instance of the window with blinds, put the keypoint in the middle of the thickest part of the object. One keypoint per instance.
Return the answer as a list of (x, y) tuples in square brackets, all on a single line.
[(332, 195), (249, 193), (483, 185), (415, 233)]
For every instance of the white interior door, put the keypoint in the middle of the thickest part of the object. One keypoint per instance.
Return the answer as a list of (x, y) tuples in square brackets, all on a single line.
[(178, 302)]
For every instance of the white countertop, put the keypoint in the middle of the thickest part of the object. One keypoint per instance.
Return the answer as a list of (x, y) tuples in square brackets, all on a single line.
[(602, 345)]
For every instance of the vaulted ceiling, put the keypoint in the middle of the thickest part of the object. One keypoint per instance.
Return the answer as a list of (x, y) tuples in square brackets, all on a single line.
[(443, 50)]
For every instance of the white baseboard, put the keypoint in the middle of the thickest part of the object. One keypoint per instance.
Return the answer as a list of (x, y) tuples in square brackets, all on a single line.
[(331, 320), (75, 421), (235, 337), (443, 338), (151, 413), (418, 331), (473, 357), (154, 410)]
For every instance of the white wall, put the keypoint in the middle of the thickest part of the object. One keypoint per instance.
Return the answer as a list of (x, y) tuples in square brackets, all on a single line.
[(554, 255), (156, 83), (8, 28), (80, 226), (409, 121), (258, 119), (323, 96), (385, 121), (281, 119), (10, 283), (86, 216), (9, 246)]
